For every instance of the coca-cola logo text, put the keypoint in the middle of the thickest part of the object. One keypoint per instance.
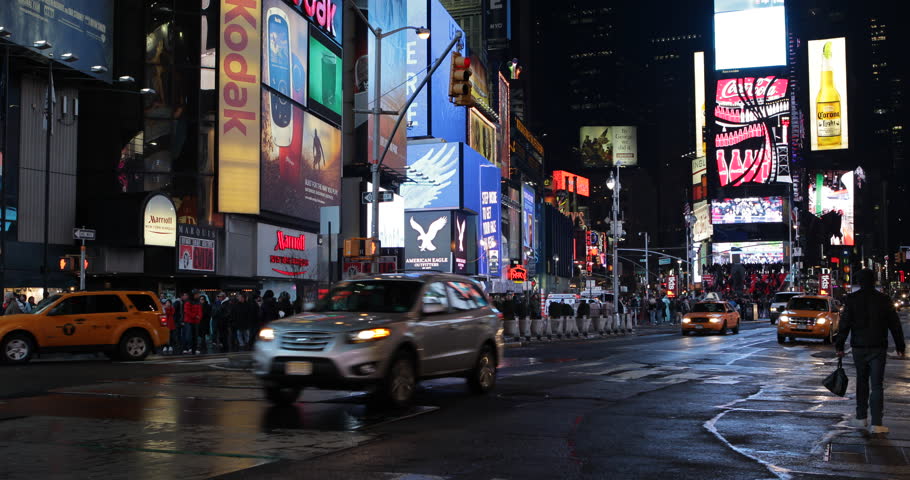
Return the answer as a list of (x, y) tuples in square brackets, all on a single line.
[(739, 89)]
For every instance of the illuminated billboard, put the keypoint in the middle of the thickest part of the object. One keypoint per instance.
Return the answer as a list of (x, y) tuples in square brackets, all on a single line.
[(571, 183), (301, 160), (505, 132), (239, 111), (749, 33), (490, 219), (606, 146), (324, 77), (747, 210), (482, 136), (432, 114), (389, 15), (752, 127), (831, 199), (828, 94), (700, 126), (437, 170), (284, 50), (391, 219), (527, 219), (702, 230), (748, 252)]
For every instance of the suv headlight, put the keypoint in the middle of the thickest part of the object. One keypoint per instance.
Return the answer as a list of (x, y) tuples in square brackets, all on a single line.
[(714, 320), (821, 321), (369, 335), (267, 334), (784, 318)]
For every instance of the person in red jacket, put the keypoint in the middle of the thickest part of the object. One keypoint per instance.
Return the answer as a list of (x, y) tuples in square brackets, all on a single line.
[(171, 323), (192, 315)]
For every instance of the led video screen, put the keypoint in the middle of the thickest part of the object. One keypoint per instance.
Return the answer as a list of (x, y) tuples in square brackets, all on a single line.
[(749, 34), (831, 199), (747, 210), (752, 130), (749, 252), (563, 180), (284, 50), (828, 94)]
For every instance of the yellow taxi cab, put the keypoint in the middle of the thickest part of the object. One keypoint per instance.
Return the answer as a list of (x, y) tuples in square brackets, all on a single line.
[(126, 325), (711, 316), (809, 316)]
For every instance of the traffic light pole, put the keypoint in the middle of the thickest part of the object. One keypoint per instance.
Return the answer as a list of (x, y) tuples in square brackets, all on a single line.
[(82, 266)]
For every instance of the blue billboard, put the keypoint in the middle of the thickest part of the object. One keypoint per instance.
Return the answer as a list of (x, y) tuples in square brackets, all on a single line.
[(490, 218), (81, 27), (436, 171), (432, 114), (527, 216)]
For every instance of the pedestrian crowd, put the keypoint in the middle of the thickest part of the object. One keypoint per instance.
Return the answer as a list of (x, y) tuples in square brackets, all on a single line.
[(17, 303), (226, 324)]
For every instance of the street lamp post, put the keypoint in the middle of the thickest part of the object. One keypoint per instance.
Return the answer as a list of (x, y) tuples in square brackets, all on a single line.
[(647, 258), (556, 269), (613, 184), (690, 222)]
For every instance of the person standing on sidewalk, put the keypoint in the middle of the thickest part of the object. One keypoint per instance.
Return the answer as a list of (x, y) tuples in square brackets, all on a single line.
[(192, 315), (867, 318), (221, 319), (171, 326), (243, 313)]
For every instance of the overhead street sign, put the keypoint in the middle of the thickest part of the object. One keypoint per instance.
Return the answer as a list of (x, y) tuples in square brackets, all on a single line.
[(664, 261), (83, 234), (367, 197)]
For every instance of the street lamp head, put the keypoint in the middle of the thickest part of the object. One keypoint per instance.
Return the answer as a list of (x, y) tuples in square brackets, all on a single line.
[(99, 69), (148, 91), (4, 32), (423, 33), (42, 44), (611, 182), (555, 258), (69, 57), (125, 79)]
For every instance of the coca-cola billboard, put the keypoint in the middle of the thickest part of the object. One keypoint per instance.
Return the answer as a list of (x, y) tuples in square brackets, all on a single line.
[(751, 130)]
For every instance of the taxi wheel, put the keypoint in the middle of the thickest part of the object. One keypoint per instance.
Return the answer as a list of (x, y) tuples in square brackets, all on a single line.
[(723, 328), (17, 348), (781, 339), (829, 338), (736, 329), (135, 345)]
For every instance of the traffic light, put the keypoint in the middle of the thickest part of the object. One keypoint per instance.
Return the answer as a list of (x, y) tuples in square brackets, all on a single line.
[(459, 81), (70, 263)]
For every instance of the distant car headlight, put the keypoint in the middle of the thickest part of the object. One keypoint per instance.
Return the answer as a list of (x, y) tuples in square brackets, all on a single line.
[(897, 304), (715, 320), (821, 321), (774, 309), (784, 318), (369, 335), (686, 320), (267, 334)]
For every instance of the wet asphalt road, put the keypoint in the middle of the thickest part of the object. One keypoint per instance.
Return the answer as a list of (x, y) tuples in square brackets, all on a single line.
[(647, 406)]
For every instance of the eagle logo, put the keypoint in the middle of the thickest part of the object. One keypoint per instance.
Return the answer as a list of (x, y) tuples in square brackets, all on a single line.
[(459, 225), (426, 237)]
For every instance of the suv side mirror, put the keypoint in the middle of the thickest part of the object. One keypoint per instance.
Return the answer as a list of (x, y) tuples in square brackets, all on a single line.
[(433, 308)]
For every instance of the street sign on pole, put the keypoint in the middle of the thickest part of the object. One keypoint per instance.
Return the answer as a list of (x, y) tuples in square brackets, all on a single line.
[(665, 261), (83, 234), (366, 198)]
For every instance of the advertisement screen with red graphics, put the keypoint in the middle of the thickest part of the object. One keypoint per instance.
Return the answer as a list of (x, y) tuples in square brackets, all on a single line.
[(301, 159), (747, 210), (751, 130), (571, 183)]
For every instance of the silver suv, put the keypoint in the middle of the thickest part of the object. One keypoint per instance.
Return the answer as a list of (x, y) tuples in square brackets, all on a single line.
[(779, 304), (383, 332)]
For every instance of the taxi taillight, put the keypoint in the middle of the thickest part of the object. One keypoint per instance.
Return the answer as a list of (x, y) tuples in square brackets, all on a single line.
[(163, 319)]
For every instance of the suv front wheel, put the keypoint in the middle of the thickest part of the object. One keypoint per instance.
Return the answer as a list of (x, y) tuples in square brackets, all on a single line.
[(282, 396), (482, 378), (400, 383)]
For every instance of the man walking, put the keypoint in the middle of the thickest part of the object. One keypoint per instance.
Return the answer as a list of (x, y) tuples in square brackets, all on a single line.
[(867, 318)]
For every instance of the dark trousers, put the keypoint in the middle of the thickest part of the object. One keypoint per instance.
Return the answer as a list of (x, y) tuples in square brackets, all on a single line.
[(870, 368)]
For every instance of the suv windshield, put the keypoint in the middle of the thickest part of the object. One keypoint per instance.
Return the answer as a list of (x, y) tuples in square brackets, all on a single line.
[(816, 304), (43, 304), (708, 308), (370, 296), (783, 297)]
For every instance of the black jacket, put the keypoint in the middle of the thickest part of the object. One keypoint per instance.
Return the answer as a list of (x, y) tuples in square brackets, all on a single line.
[(869, 315)]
